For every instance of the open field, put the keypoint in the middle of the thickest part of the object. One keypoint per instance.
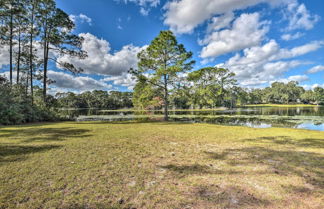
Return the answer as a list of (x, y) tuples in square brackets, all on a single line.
[(159, 165)]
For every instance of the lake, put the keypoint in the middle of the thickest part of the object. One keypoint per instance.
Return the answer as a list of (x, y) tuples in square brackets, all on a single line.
[(311, 118)]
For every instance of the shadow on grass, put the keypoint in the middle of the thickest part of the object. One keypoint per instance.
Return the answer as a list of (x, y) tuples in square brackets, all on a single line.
[(195, 169), (14, 153), (44, 134), (227, 197), (189, 169), (94, 206), (285, 140), (307, 165)]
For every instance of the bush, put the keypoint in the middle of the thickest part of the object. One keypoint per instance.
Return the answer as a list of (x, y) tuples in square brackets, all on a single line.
[(16, 106)]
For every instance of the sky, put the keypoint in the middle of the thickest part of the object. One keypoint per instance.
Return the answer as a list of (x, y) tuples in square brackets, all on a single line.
[(261, 41)]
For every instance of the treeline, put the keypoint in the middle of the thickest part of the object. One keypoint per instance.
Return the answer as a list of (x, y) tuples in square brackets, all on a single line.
[(286, 93), (223, 92), (214, 87), (96, 99), (35, 33)]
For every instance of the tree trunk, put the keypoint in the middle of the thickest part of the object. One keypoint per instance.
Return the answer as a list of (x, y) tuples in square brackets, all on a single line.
[(46, 51), (27, 83), (222, 94), (10, 44), (18, 58), (31, 54), (166, 103)]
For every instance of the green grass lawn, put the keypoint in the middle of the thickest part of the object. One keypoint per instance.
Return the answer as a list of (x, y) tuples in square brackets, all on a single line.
[(159, 165)]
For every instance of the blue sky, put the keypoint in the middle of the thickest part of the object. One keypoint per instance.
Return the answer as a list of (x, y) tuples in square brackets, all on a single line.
[(262, 41)]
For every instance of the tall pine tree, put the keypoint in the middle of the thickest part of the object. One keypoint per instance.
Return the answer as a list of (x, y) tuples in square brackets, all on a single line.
[(161, 62)]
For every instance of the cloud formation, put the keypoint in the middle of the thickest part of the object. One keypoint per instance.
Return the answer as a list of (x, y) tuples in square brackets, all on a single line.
[(183, 16), (81, 83), (101, 61), (316, 69), (261, 64), (125, 80), (246, 31), (299, 17), (145, 5), (298, 78), (289, 37), (81, 17)]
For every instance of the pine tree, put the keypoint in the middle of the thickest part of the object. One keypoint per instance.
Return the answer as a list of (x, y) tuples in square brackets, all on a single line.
[(163, 59)]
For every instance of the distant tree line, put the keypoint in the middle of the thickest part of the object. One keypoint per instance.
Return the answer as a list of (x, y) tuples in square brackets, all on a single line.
[(95, 99), (216, 87)]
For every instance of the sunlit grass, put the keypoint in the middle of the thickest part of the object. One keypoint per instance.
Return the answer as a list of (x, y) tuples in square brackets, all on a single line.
[(159, 165)]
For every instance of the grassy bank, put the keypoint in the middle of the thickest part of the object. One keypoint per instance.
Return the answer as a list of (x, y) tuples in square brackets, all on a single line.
[(170, 110), (280, 105), (159, 165)]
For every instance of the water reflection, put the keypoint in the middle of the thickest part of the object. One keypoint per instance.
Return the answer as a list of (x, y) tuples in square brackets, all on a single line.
[(257, 117), (311, 126)]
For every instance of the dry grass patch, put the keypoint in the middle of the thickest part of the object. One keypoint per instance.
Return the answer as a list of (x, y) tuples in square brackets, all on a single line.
[(159, 165)]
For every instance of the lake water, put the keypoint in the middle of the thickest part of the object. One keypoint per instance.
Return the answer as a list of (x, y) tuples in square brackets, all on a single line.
[(311, 118)]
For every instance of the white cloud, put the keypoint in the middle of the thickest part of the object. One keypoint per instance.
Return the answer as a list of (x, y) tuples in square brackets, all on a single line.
[(262, 64), (151, 3), (119, 21), (299, 17), (220, 22), (4, 55), (81, 17), (6, 75), (145, 5), (66, 82), (312, 86), (126, 80), (183, 16), (275, 69), (289, 37), (316, 69), (101, 61), (79, 83), (299, 50), (317, 85), (298, 78), (144, 12), (246, 31)]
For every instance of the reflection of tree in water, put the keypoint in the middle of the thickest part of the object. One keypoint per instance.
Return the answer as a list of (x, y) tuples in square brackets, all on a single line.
[(257, 117)]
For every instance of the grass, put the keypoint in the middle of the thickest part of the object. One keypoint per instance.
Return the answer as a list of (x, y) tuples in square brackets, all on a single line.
[(159, 165), (280, 105)]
